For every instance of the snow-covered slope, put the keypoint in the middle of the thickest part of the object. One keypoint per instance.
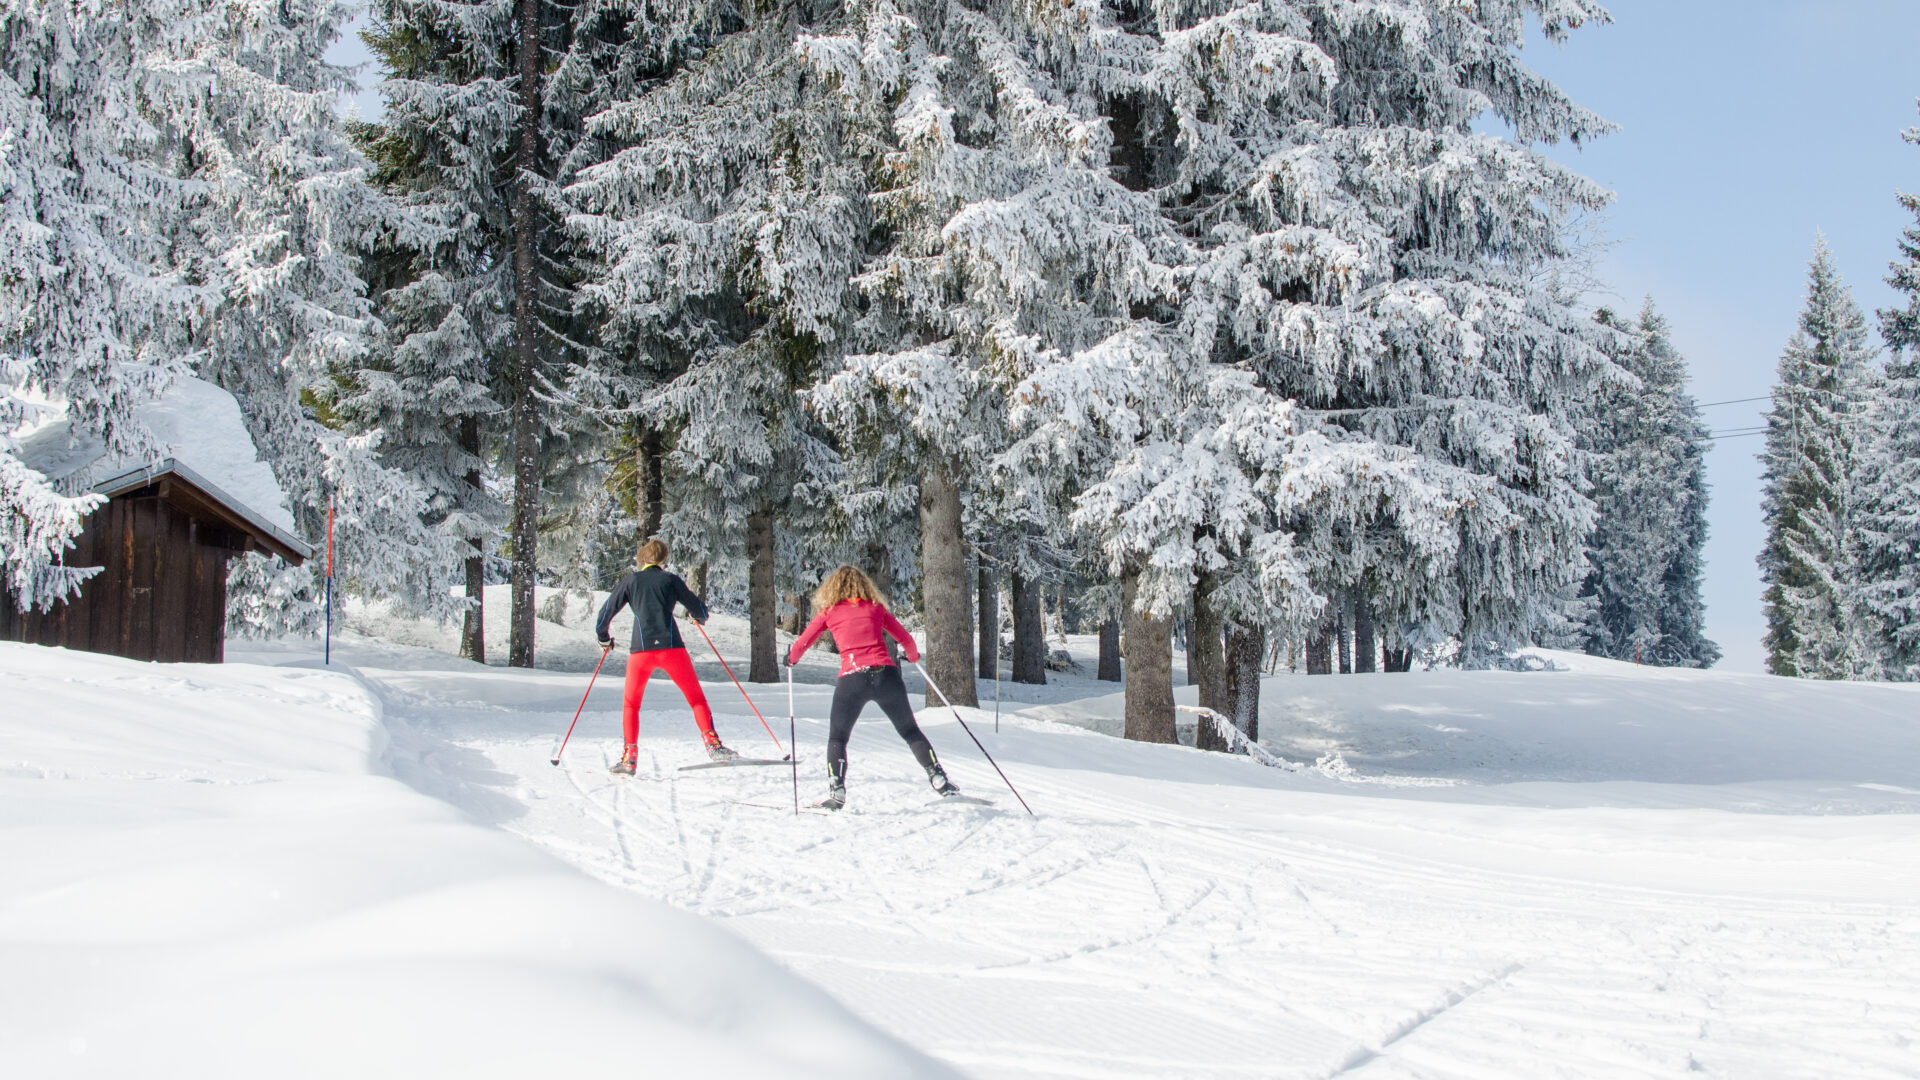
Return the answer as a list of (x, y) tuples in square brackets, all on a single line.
[(204, 875), (1558, 898)]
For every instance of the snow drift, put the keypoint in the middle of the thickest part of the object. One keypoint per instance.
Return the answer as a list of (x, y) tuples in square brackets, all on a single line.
[(206, 875)]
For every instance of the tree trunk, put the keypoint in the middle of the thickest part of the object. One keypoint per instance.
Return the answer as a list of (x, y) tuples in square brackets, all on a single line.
[(1205, 661), (1341, 623), (1149, 648), (698, 582), (988, 597), (473, 625), (1110, 650), (1029, 633), (802, 605), (1398, 660), (1365, 647), (943, 589), (526, 436), (1246, 654), (762, 665), (650, 479), (1320, 649), (879, 567)]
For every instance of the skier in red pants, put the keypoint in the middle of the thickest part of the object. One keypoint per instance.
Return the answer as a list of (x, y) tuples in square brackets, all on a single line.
[(652, 591)]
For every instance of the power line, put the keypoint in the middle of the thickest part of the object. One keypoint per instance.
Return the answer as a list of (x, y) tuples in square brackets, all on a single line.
[(1735, 401)]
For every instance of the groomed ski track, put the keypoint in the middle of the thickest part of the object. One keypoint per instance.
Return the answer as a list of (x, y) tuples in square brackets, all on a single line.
[(1174, 914)]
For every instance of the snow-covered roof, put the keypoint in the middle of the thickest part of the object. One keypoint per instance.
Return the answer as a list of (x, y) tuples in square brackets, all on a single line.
[(200, 436)]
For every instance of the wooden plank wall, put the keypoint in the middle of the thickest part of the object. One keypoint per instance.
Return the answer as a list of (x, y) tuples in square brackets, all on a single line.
[(162, 594)]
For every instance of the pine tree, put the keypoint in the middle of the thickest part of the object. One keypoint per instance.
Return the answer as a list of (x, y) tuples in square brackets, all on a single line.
[(1650, 492), (1901, 326), (1890, 500), (1889, 517), (724, 227), (90, 301), (492, 99), (429, 381), (1816, 624), (278, 211)]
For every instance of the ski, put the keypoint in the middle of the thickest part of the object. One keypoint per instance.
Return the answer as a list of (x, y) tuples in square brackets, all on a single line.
[(734, 763), (970, 800)]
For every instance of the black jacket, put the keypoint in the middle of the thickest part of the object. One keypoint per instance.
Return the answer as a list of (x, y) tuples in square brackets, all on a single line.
[(652, 592)]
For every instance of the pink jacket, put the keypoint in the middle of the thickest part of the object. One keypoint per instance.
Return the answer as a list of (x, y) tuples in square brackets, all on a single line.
[(860, 629)]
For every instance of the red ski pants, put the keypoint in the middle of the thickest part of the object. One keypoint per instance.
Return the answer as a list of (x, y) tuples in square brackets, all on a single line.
[(679, 667)]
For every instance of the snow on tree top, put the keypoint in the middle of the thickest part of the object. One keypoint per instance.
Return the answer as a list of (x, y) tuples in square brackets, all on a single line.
[(195, 423)]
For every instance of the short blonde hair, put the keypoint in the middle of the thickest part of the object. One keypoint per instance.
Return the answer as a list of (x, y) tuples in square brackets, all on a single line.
[(846, 583), (652, 552)]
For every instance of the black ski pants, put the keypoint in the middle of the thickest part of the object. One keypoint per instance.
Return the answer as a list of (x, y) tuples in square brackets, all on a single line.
[(884, 687)]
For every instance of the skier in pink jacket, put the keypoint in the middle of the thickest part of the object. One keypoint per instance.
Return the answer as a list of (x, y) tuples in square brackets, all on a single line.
[(850, 607)]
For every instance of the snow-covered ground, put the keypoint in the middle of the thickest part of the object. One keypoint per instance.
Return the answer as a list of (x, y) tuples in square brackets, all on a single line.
[(205, 875), (1605, 871)]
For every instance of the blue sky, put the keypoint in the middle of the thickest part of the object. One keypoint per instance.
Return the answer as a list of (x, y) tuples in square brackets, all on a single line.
[(1746, 128)]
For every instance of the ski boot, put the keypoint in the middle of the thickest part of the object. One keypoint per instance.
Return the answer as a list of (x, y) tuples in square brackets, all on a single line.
[(628, 761), (942, 786), (836, 788), (716, 751)]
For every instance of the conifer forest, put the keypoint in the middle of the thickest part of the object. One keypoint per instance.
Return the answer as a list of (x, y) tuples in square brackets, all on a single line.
[(1260, 330)]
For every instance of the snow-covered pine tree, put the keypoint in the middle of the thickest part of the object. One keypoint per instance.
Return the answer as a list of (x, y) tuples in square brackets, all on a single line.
[(279, 212), (725, 226), (1009, 243), (1373, 257), (1816, 624), (1888, 513), (492, 97), (1890, 499), (1362, 378), (1901, 326), (424, 382), (1647, 445), (90, 301)]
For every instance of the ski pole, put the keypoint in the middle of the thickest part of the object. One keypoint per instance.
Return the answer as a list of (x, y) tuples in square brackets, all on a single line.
[(975, 738), (583, 705), (742, 689), (794, 740)]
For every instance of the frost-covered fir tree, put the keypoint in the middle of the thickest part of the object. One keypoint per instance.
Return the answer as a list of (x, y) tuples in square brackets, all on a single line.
[(1817, 626), (1010, 243), (1890, 474), (90, 299), (279, 212), (1366, 329), (725, 226), (1888, 511), (430, 383), (1901, 326), (491, 98), (1648, 447)]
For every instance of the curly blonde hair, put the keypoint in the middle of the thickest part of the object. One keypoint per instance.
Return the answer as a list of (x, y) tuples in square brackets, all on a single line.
[(846, 583)]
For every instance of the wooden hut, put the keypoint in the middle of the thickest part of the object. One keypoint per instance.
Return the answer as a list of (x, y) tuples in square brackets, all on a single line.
[(162, 541)]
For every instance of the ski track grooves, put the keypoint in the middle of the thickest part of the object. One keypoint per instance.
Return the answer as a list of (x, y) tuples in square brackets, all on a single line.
[(1127, 938)]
